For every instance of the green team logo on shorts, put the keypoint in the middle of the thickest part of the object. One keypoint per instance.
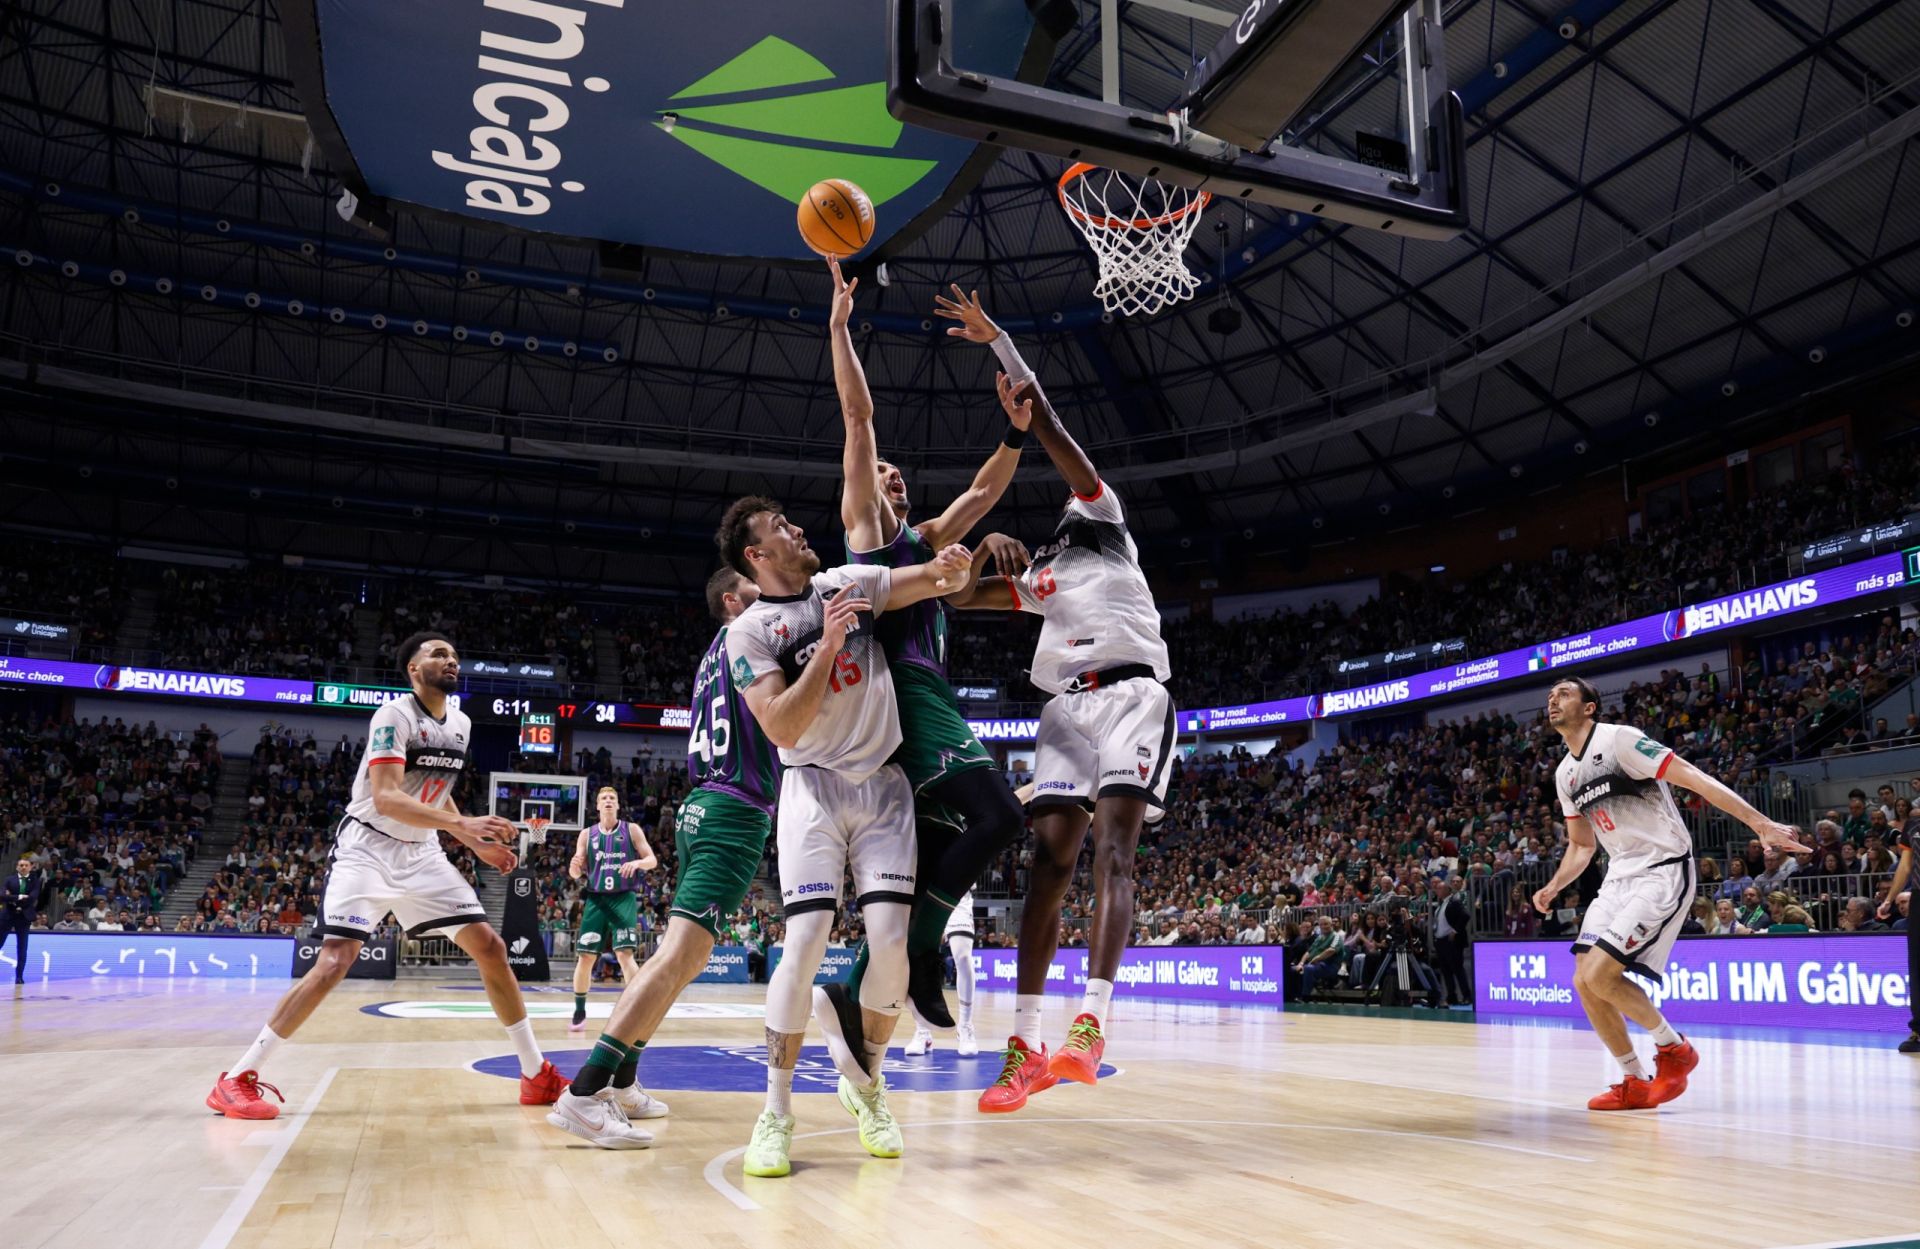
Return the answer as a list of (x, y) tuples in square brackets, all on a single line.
[(383, 738), (742, 672)]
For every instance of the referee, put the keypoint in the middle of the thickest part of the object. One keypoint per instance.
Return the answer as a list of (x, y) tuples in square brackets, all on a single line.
[(24, 894)]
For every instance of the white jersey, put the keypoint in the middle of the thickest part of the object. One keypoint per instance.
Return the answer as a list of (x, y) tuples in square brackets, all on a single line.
[(1615, 783), (858, 727), (1088, 586), (433, 752)]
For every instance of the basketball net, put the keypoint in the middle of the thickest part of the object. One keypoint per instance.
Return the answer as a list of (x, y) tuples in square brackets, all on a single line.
[(1138, 229), (537, 830)]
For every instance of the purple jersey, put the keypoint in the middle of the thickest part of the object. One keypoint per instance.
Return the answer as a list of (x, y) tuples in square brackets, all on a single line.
[(727, 751), (916, 634)]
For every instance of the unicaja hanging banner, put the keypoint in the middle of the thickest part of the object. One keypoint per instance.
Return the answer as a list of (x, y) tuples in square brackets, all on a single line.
[(672, 124), (526, 951)]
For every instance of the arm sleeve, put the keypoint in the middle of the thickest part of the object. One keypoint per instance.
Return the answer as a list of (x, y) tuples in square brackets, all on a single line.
[(1640, 756), (1102, 505), (389, 736), (873, 580), (748, 658), (1016, 368)]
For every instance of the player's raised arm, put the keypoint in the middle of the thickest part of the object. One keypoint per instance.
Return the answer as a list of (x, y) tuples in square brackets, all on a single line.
[(1678, 771), (996, 474), (1071, 462), (944, 574), (862, 510), (784, 712)]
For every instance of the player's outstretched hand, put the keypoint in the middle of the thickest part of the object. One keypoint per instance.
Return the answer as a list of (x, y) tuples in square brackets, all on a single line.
[(498, 857), (1009, 555), (496, 829), (1780, 837), (842, 296), (950, 566), (1543, 901), (839, 619), (975, 325)]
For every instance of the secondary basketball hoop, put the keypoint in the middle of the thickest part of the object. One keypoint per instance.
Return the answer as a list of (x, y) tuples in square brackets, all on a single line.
[(1138, 228)]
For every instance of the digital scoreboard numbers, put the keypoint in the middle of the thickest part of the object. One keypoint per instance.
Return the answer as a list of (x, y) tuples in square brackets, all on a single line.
[(586, 712), (539, 734)]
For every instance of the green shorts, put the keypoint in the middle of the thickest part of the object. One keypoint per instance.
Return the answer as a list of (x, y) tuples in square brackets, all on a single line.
[(720, 840), (608, 921), (936, 742)]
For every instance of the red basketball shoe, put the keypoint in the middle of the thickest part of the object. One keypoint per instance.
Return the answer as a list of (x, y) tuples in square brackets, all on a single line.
[(1079, 1059), (1671, 1063), (1022, 1072), (238, 1097), (543, 1089), (1629, 1094)]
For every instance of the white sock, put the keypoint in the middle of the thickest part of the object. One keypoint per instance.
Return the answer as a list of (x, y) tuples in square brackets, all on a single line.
[(256, 1055), (1631, 1064), (1026, 1018), (531, 1059), (1095, 1001), (780, 1090), (966, 1013), (1666, 1035)]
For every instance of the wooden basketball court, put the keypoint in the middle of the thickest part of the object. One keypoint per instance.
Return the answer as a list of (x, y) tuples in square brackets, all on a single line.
[(1223, 1126)]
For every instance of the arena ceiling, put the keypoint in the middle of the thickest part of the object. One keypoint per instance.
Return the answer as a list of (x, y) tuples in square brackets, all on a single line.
[(1682, 207)]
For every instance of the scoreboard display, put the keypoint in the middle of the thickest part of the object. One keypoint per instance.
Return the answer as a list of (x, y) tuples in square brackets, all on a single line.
[(538, 735), (579, 713)]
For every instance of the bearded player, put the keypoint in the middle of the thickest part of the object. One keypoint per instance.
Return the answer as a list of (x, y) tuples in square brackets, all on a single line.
[(819, 686), (720, 837), (964, 812), (1105, 742), (610, 854), (1614, 786), (387, 857)]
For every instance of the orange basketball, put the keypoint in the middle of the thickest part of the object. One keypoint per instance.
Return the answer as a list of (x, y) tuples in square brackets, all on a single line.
[(836, 218)]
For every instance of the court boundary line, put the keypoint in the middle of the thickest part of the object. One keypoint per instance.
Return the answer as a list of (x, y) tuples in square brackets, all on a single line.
[(228, 1226), (715, 1171)]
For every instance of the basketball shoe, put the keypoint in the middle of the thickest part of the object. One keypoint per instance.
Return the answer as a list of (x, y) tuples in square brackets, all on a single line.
[(1671, 1064), (598, 1120), (1629, 1094), (769, 1151), (879, 1132), (543, 1089), (922, 1043), (1079, 1058), (969, 1045), (1022, 1073), (639, 1104), (238, 1097)]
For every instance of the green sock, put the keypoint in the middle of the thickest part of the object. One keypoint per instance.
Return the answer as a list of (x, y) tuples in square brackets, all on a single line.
[(608, 1053), (931, 910), (629, 1069), (579, 1006)]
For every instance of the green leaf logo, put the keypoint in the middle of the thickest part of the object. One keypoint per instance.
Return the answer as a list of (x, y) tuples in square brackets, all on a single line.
[(848, 118)]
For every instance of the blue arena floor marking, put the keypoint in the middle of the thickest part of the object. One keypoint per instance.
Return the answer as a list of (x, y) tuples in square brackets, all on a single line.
[(743, 1069)]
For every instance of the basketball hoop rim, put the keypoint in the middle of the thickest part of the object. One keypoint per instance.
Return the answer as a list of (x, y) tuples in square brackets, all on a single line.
[(1200, 201)]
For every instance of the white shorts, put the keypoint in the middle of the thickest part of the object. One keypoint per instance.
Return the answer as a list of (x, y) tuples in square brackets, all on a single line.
[(369, 874), (827, 823), (960, 923), (1115, 741), (1637, 916)]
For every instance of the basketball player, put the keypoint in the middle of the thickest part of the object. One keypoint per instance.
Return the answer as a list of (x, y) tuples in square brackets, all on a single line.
[(386, 857), (818, 684), (1104, 742), (720, 836), (611, 854), (959, 939), (1614, 790), (965, 813)]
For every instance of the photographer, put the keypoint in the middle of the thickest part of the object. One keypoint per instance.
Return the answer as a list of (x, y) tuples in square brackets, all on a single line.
[(21, 897)]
